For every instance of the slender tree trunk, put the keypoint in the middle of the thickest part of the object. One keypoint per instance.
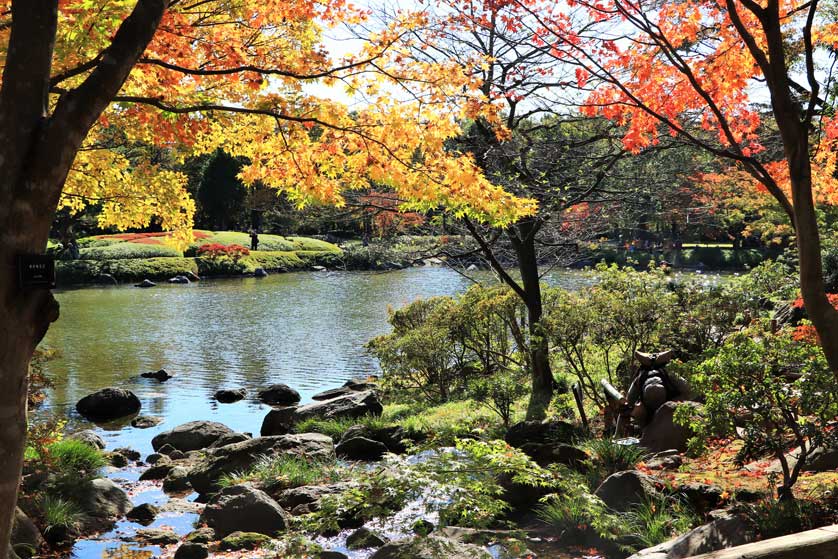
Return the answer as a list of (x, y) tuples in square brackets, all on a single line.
[(523, 240), (823, 315)]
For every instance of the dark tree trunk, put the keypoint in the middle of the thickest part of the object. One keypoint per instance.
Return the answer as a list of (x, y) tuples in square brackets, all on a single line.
[(36, 152)]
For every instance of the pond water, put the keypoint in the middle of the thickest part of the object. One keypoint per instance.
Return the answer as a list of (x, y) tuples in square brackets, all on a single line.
[(304, 329)]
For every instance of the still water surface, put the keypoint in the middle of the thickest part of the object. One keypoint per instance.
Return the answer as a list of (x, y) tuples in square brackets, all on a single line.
[(304, 329)]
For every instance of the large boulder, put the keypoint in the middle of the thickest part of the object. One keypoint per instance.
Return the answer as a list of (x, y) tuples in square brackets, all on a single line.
[(279, 395), (108, 404), (724, 531), (242, 508), (240, 456), (306, 494), (351, 406), (430, 547), (663, 433), (624, 490), (550, 431), (194, 435), (102, 502), (393, 436), (25, 535), (360, 448)]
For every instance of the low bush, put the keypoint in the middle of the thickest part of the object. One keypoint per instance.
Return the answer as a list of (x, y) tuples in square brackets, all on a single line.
[(335, 428), (217, 251), (609, 457), (126, 250), (777, 388), (657, 520)]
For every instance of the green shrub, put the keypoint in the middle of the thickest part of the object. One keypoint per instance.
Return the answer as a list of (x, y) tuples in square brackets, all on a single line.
[(335, 428), (285, 471), (609, 457), (779, 518), (74, 459), (312, 245), (779, 386), (657, 520), (444, 424), (126, 249)]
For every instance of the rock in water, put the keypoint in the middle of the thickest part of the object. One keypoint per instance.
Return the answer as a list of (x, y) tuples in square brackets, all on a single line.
[(145, 422), (228, 396), (108, 404), (145, 283), (243, 508), (162, 375), (260, 273), (190, 550), (89, 437), (279, 395), (103, 502), (195, 435), (143, 514)]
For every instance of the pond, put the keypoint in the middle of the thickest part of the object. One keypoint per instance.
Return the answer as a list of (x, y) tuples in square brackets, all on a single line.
[(303, 329)]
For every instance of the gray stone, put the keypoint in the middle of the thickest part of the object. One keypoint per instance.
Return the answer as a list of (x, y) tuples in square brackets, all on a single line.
[(430, 547), (392, 437), (103, 502), (155, 536), (624, 490), (360, 448), (364, 538), (279, 395), (145, 421), (24, 533), (240, 456), (161, 374), (306, 494), (194, 435), (243, 508), (230, 438), (89, 437), (230, 395), (108, 404), (145, 283), (176, 480), (662, 433), (727, 530), (352, 406), (143, 514), (190, 550), (550, 431)]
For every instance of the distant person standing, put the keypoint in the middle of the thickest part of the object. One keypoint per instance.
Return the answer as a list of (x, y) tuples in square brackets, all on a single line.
[(254, 240)]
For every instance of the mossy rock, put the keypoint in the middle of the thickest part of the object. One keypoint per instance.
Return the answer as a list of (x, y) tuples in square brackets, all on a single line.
[(243, 540)]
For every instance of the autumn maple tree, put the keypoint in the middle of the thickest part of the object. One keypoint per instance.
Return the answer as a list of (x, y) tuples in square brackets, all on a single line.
[(696, 70), (81, 78)]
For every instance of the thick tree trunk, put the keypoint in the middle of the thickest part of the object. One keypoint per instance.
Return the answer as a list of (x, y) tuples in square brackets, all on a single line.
[(36, 151), (542, 375)]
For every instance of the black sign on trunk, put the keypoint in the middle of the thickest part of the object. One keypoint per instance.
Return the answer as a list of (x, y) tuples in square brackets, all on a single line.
[(36, 271)]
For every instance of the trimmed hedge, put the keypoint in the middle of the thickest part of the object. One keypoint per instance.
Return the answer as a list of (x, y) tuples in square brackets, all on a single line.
[(711, 258), (127, 250)]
